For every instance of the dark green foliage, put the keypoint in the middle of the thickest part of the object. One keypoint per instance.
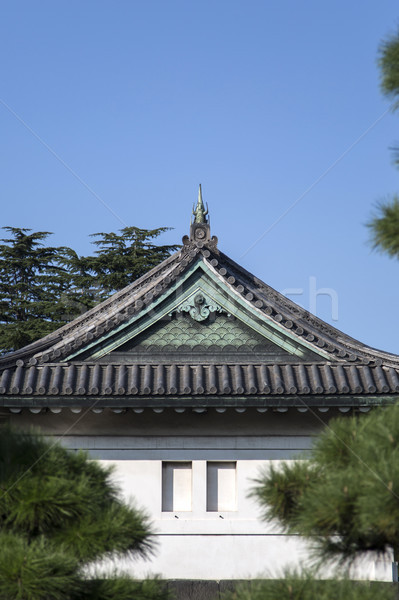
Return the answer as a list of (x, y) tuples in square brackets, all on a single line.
[(32, 283), (113, 529), (120, 259), (123, 588), (35, 570), (60, 513), (389, 66), (345, 498), (42, 287), (384, 227), (281, 500), (305, 587)]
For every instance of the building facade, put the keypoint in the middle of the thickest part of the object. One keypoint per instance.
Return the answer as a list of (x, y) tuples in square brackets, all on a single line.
[(189, 382)]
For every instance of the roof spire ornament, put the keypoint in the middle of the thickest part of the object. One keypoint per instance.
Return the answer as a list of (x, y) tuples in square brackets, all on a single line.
[(200, 228), (199, 212)]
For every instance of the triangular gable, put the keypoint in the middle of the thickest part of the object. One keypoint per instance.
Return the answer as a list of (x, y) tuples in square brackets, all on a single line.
[(201, 308), (182, 339), (235, 306)]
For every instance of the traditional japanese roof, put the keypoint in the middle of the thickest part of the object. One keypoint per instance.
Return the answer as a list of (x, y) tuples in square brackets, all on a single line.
[(198, 328)]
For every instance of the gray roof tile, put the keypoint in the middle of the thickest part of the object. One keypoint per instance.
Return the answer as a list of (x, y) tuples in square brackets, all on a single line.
[(115, 380), (350, 369)]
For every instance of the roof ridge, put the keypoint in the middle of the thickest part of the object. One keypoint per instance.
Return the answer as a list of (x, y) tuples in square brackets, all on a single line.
[(309, 330), (294, 317)]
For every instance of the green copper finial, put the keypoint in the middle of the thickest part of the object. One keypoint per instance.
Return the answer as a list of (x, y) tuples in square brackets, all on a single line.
[(199, 212), (200, 227)]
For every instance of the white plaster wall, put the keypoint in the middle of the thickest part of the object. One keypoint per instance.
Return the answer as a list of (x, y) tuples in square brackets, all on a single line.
[(197, 544), (200, 544), (216, 545), (220, 557)]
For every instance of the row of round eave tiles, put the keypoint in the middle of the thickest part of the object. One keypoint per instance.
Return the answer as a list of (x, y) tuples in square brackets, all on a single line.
[(281, 409), (198, 379), (172, 391)]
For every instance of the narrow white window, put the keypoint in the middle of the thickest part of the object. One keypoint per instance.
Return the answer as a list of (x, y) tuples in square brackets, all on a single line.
[(176, 486), (221, 492)]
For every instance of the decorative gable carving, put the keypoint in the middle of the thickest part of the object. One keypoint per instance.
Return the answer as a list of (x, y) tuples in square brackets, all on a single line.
[(200, 307)]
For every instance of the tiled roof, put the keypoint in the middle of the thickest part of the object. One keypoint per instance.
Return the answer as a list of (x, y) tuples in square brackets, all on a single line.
[(133, 299), (342, 367), (129, 382)]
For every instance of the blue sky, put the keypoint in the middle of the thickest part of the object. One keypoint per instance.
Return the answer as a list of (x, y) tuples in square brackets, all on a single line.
[(112, 113)]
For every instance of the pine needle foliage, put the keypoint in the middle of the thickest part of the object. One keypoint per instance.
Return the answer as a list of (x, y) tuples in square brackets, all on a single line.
[(282, 499), (345, 498), (32, 570), (60, 514), (384, 227), (123, 588), (389, 66), (305, 586)]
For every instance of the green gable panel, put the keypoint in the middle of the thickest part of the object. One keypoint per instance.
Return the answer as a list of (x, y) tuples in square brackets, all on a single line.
[(216, 333), (219, 336), (204, 312)]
